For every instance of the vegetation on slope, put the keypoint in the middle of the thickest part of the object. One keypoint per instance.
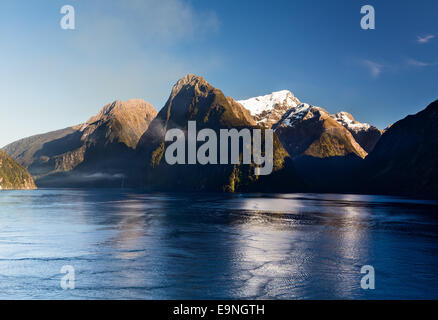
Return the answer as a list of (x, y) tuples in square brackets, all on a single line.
[(13, 175)]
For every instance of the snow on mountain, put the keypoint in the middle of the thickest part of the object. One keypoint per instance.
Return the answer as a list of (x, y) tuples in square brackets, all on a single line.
[(257, 105), (365, 134), (295, 114), (311, 131), (347, 120), (283, 109), (269, 109)]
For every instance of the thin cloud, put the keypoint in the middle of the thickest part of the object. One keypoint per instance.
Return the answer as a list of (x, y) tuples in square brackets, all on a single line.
[(168, 20), (425, 39), (417, 63), (421, 64), (139, 40), (374, 68), (141, 24)]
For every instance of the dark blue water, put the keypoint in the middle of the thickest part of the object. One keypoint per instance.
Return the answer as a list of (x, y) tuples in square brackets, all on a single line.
[(127, 245)]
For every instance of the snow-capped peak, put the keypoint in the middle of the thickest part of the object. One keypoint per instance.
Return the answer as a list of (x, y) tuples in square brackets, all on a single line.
[(347, 120), (282, 108), (258, 105), (268, 110)]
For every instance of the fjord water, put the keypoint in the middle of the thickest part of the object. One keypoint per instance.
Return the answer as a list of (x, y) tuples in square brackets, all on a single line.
[(127, 244)]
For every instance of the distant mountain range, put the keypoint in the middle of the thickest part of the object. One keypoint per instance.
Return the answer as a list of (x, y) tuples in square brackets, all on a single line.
[(123, 146), (95, 153)]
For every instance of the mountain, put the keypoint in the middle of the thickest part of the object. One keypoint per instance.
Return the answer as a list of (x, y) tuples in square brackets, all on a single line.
[(268, 110), (307, 130), (194, 99), (282, 109), (119, 122), (405, 160), (365, 134), (124, 145), (25, 151), (13, 176), (96, 152)]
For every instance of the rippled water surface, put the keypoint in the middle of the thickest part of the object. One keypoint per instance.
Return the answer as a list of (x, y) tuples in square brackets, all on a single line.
[(127, 244)]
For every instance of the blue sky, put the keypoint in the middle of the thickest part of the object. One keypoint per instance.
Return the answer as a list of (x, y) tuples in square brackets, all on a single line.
[(52, 78)]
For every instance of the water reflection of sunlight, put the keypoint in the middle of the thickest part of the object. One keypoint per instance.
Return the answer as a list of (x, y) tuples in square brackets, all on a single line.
[(352, 229), (135, 242), (268, 256), (277, 254), (277, 204), (349, 243), (131, 229)]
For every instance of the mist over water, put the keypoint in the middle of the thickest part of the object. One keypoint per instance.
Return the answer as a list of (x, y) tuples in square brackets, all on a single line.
[(125, 244)]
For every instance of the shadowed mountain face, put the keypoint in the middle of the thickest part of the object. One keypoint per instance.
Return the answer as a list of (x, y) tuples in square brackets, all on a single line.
[(193, 99), (405, 160), (97, 152), (26, 151), (311, 131), (366, 135), (12, 175)]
